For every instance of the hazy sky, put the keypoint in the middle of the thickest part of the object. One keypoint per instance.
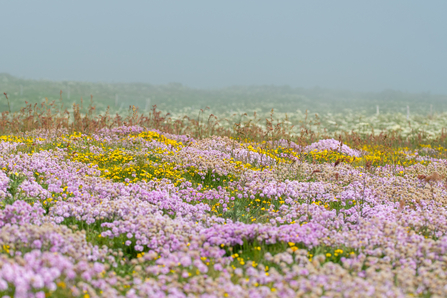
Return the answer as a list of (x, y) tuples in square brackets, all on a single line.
[(357, 45)]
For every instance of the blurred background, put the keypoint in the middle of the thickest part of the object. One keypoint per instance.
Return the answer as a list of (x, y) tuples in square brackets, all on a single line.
[(349, 62)]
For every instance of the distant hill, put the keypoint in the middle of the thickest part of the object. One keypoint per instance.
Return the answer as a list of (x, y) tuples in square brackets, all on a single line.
[(175, 97)]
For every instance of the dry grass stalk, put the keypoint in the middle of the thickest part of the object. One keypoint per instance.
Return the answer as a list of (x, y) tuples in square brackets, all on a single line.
[(337, 162), (315, 171), (401, 205), (434, 177)]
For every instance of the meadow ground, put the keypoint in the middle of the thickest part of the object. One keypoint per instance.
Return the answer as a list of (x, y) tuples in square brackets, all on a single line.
[(91, 208)]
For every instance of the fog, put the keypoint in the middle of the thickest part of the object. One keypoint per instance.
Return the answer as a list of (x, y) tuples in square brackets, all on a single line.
[(353, 45)]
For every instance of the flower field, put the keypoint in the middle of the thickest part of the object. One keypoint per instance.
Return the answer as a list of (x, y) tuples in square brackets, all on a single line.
[(135, 212)]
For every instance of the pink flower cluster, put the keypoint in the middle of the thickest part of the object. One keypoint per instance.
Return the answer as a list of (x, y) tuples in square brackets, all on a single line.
[(332, 145), (291, 230)]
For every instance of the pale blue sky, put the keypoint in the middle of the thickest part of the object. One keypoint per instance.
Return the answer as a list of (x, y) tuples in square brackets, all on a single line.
[(356, 45)]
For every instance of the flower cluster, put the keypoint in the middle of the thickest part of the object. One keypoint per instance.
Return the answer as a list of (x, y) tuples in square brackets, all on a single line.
[(332, 145), (130, 212)]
